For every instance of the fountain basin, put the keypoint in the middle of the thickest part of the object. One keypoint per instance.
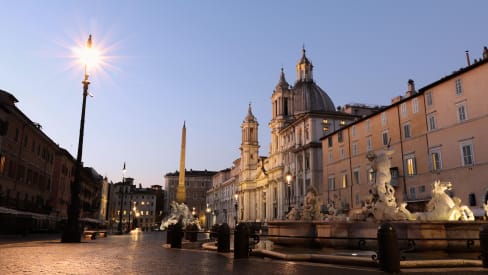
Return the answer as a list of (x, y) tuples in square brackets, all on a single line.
[(447, 236)]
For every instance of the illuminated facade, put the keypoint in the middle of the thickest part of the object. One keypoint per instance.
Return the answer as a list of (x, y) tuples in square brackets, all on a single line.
[(438, 132), (301, 115)]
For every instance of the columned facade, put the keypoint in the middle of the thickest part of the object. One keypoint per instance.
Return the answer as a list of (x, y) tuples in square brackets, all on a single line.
[(301, 115)]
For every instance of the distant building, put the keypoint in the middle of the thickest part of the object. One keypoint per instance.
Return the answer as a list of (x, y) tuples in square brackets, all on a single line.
[(197, 183), (144, 202), (160, 199), (138, 205), (220, 198)]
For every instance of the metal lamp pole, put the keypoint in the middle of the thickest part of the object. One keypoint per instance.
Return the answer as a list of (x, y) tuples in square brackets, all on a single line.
[(121, 193), (72, 232), (236, 197)]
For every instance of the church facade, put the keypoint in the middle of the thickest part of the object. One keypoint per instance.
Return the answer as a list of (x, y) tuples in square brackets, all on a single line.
[(302, 113)]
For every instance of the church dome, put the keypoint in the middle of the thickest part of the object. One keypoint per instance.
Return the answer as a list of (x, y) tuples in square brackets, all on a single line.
[(309, 97)]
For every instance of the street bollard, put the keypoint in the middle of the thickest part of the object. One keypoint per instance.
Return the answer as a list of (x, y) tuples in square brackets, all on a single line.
[(484, 244), (223, 238), (388, 252), (177, 235), (241, 241), (169, 233), (193, 233)]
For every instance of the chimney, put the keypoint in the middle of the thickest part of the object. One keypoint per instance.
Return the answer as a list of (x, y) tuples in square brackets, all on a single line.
[(411, 88), (467, 58), (485, 53)]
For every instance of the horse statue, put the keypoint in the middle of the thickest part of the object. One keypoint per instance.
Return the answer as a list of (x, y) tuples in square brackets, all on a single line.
[(442, 207)]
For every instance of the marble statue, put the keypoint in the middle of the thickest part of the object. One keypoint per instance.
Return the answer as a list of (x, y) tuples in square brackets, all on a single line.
[(442, 207), (383, 204), (179, 211), (311, 207), (293, 214)]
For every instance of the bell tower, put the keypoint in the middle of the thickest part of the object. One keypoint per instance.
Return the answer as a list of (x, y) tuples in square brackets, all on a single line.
[(249, 145)]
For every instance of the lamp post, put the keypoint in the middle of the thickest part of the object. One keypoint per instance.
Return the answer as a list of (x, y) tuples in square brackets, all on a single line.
[(236, 197), (207, 219), (288, 177), (72, 232), (134, 217), (121, 194), (130, 209)]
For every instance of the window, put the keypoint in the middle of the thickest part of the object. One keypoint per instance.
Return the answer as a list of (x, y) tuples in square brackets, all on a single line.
[(329, 141), (403, 109), (410, 165), (422, 189), (339, 136), (435, 159), (461, 112), (341, 152), (459, 87), (356, 177), (353, 131), (432, 124), (383, 119), (406, 130), (368, 126), (385, 138), (369, 144), (415, 105), (428, 98), (330, 156), (412, 193), (331, 183), (355, 149), (344, 181), (467, 156)]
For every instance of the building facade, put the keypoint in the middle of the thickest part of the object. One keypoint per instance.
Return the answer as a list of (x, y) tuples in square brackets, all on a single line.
[(437, 133), (221, 203), (36, 174), (301, 115), (197, 183)]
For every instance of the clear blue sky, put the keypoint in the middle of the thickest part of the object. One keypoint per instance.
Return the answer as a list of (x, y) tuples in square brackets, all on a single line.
[(204, 61)]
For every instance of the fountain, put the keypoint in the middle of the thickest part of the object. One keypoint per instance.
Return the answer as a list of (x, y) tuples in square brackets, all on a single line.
[(445, 225), (180, 210)]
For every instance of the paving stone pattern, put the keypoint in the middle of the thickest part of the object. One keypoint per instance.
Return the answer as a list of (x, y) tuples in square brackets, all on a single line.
[(143, 253)]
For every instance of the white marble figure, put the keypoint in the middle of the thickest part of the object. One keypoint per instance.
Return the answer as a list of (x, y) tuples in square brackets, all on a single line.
[(292, 215), (311, 207), (383, 202), (179, 210), (442, 207)]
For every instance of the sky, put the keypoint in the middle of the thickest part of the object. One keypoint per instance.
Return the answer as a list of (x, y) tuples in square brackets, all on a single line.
[(203, 62)]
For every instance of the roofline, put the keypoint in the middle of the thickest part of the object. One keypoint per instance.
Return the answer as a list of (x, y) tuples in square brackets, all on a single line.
[(421, 91)]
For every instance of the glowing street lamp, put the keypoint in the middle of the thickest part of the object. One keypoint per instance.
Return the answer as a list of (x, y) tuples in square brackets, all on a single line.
[(288, 177), (236, 197), (72, 233)]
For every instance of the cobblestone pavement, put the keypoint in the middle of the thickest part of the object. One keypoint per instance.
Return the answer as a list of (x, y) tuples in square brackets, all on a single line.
[(143, 253)]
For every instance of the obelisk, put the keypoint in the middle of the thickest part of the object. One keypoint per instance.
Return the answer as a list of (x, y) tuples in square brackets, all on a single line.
[(181, 190)]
